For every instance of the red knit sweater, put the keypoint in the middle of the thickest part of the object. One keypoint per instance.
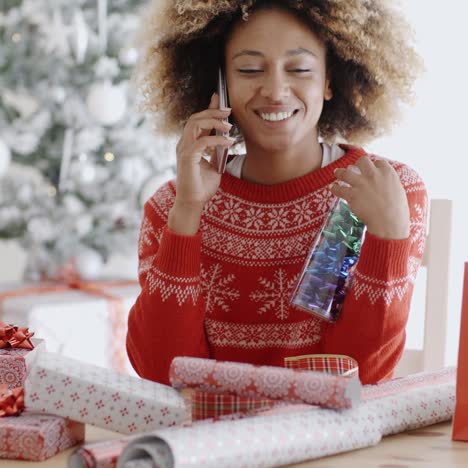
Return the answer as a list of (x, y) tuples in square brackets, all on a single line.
[(224, 292)]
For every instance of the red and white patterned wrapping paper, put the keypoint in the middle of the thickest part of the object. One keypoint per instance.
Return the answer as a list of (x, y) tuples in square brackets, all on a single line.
[(99, 454), (36, 437), (285, 438), (369, 392), (101, 397), (16, 362), (335, 364), (205, 405), (276, 383)]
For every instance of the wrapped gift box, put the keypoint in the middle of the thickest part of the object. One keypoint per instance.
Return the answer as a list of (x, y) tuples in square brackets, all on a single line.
[(16, 362), (102, 397), (36, 437), (66, 319)]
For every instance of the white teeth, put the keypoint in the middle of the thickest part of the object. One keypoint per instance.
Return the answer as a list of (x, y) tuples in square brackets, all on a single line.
[(276, 117)]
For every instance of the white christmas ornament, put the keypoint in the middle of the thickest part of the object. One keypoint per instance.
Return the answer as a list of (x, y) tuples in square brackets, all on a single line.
[(22, 102), (73, 205), (128, 56), (83, 225), (89, 264), (106, 103), (59, 94), (87, 173), (5, 158), (41, 229)]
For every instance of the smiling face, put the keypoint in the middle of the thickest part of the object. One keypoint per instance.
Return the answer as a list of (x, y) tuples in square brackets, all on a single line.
[(277, 81)]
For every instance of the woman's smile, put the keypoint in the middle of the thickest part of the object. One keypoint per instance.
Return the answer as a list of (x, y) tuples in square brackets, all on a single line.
[(277, 120)]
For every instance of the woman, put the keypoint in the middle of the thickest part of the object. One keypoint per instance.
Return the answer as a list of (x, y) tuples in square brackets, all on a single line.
[(221, 255)]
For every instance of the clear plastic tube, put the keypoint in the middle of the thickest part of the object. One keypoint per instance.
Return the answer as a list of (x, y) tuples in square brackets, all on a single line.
[(328, 270)]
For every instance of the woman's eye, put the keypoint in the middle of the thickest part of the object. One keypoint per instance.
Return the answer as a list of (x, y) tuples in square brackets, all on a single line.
[(249, 70), (295, 70)]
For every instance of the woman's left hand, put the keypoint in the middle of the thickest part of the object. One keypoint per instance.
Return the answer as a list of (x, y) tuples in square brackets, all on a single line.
[(376, 196)]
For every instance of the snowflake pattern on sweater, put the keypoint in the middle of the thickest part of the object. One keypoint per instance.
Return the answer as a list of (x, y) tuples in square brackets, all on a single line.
[(225, 292)]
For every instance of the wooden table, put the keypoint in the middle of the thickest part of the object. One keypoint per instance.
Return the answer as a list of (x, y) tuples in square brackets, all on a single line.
[(430, 447)]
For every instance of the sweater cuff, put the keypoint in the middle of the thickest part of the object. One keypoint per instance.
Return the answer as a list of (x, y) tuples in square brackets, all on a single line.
[(384, 258), (179, 255)]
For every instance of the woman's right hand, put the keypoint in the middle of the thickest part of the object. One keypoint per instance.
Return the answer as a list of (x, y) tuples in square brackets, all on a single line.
[(197, 180)]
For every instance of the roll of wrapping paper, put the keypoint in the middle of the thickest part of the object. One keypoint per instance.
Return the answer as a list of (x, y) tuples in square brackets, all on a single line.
[(328, 270), (282, 439), (213, 406), (102, 454), (276, 383), (105, 454)]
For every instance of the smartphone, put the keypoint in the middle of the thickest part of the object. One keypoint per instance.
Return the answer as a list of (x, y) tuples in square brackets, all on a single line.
[(220, 156)]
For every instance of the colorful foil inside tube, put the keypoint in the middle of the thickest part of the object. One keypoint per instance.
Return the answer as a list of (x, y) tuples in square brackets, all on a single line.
[(328, 270)]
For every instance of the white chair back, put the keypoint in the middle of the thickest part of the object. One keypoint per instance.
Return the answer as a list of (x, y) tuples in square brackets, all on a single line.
[(437, 262)]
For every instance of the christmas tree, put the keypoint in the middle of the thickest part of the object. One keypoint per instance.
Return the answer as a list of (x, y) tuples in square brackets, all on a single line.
[(68, 114)]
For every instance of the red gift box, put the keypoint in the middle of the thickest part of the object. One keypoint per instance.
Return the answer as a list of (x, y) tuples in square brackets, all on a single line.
[(460, 419), (16, 362), (37, 437)]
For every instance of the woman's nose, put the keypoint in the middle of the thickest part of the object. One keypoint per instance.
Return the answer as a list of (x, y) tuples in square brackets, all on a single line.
[(275, 86)]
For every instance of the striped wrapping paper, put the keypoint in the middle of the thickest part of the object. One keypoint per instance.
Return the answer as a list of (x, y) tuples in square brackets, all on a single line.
[(105, 454), (284, 438)]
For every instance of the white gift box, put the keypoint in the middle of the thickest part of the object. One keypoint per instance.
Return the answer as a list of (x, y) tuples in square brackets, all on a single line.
[(73, 323), (102, 397)]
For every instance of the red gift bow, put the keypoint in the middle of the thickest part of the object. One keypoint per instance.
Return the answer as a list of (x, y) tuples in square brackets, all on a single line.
[(12, 336), (11, 401)]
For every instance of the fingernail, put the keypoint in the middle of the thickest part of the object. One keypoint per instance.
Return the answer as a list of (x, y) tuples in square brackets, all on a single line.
[(225, 109), (354, 169)]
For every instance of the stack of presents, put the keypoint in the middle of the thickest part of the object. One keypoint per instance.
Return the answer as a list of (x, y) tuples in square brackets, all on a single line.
[(214, 414)]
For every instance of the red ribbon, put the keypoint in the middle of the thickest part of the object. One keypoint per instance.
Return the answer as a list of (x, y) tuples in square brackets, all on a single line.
[(12, 336), (11, 401)]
